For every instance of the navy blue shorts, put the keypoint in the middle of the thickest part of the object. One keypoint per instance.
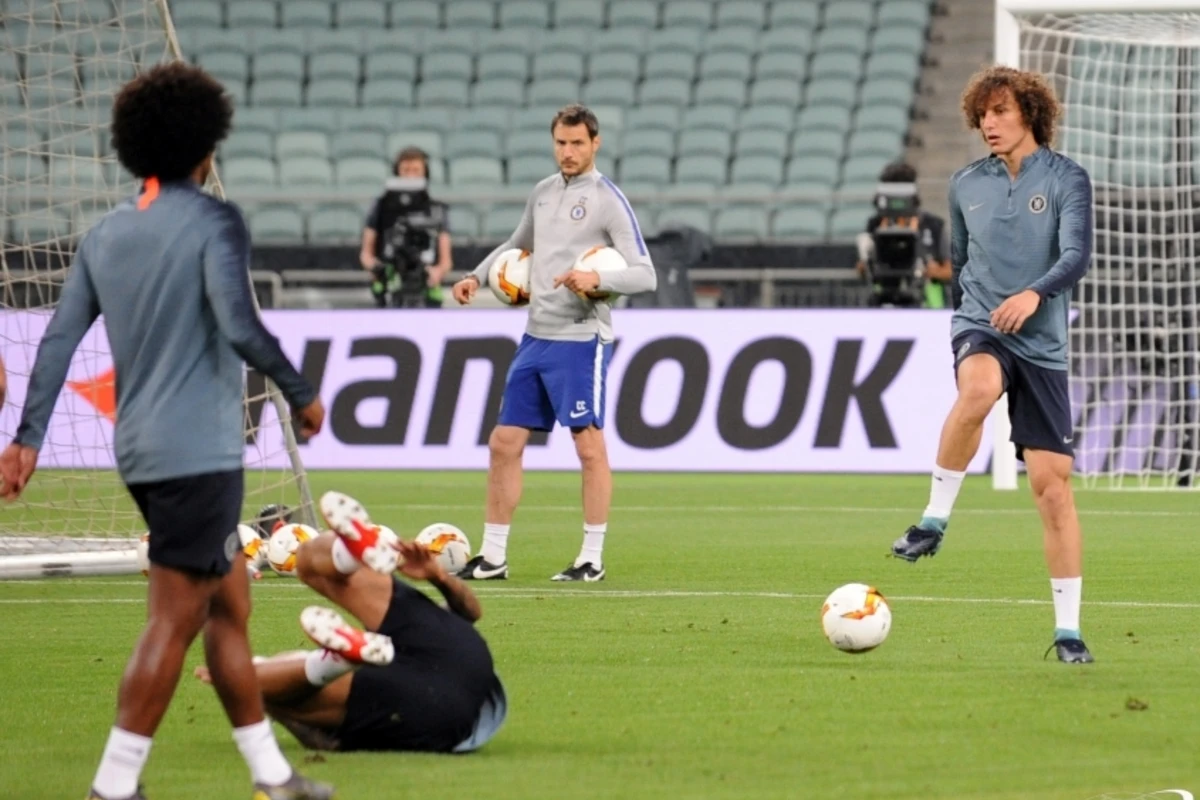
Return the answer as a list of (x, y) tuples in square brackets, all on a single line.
[(552, 380), (1039, 400), (193, 520), (429, 698)]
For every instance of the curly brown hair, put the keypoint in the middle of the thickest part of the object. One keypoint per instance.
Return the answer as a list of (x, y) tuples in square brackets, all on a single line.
[(1034, 95)]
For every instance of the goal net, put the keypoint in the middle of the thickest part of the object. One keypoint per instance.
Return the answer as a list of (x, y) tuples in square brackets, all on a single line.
[(1129, 80), (60, 63)]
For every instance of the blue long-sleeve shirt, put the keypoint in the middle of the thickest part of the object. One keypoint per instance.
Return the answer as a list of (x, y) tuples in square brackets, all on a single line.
[(169, 272), (1008, 235)]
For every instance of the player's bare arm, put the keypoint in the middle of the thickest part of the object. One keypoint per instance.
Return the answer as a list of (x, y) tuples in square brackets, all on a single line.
[(419, 564)]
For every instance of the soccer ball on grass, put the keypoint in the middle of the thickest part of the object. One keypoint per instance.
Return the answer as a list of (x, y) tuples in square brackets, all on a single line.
[(283, 544), (448, 544), (856, 618)]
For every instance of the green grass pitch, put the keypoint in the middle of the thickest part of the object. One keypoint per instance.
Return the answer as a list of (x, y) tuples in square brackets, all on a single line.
[(698, 668)]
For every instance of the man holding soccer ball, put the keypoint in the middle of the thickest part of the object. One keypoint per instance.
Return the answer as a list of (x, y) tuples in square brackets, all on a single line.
[(1021, 238), (559, 369)]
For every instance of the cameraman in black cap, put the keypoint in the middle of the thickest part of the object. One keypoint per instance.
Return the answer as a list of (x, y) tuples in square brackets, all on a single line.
[(905, 252), (406, 242)]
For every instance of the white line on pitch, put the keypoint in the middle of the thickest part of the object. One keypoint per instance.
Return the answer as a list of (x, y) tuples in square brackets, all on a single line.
[(501, 593)]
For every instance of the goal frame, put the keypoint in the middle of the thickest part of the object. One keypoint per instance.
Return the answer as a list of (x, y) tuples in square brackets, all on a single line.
[(1007, 52), (101, 562)]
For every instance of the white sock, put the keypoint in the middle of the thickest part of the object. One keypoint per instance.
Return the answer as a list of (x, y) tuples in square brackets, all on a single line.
[(942, 494), (593, 545), (261, 751), (1068, 595), (322, 667), (343, 560), (121, 765), (495, 543)]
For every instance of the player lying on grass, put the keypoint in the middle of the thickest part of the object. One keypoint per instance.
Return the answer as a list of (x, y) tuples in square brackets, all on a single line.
[(1021, 238), (419, 677)]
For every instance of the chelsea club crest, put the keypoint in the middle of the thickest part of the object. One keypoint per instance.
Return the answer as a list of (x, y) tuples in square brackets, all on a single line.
[(1037, 203), (578, 211)]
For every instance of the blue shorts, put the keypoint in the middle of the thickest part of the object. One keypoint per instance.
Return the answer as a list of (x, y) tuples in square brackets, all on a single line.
[(1039, 400), (552, 380)]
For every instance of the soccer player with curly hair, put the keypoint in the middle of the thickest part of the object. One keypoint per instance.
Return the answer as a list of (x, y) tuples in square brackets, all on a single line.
[(169, 270), (1021, 238)]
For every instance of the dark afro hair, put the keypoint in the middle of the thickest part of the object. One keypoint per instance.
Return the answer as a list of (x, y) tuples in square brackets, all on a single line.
[(167, 120)]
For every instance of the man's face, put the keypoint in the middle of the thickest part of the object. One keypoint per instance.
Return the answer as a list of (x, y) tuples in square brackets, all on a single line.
[(574, 149), (1002, 125), (411, 168)]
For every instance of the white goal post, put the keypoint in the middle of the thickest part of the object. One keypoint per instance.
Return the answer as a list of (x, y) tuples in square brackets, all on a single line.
[(1128, 75), (61, 62)]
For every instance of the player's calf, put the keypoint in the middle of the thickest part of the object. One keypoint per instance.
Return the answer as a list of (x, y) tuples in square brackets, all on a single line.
[(359, 539)]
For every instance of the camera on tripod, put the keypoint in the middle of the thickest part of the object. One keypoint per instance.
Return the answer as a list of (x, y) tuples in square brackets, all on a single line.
[(893, 253), (408, 243)]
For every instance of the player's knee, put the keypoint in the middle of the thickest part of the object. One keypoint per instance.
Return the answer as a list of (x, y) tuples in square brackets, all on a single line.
[(307, 557), (589, 446), (978, 392), (507, 442)]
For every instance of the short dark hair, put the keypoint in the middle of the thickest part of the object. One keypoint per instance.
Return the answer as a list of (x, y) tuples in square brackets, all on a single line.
[(411, 154), (1031, 91), (576, 114), (167, 120), (898, 172)]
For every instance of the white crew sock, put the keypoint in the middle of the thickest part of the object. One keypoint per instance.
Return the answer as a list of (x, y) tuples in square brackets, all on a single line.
[(593, 545), (322, 667), (1068, 595), (261, 751), (121, 765), (942, 494), (343, 560), (495, 543)]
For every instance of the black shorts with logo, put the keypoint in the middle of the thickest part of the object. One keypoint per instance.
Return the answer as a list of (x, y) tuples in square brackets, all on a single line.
[(429, 697), (193, 520), (1039, 400)]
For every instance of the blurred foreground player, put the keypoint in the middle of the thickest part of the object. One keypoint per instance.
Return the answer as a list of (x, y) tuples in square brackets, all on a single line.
[(419, 678), (169, 270), (1021, 238)]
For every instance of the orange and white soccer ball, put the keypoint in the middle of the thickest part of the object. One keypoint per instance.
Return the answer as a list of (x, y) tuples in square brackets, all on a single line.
[(508, 277), (600, 259), (283, 544), (255, 548), (856, 618), (448, 543)]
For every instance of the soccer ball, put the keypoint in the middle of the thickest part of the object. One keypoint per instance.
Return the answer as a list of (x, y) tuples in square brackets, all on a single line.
[(600, 259), (856, 618), (143, 555), (255, 548), (508, 277), (283, 544), (448, 543)]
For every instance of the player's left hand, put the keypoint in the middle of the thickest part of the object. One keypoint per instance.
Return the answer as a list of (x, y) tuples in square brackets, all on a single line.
[(418, 563), (578, 281), (1014, 311), (17, 464)]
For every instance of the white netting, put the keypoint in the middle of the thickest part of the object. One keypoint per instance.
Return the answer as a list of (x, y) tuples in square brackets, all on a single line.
[(1130, 84), (60, 64)]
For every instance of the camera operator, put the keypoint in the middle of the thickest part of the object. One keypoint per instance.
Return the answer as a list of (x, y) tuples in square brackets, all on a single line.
[(905, 252), (406, 242)]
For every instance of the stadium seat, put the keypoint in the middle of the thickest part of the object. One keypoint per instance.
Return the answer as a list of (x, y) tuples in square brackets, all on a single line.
[(904, 13), (447, 93), (276, 93), (460, 144), (603, 66), (332, 93), (500, 221), (340, 66), (502, 41), (830, 92), (324, 120), (365, 14), (446, 66), (251, 14), (892, 66), (526, 170), (648, 169), (358, 144), (503, 64), (659, 143), (496, 119), (227, 67), (448, 41), (687, 14), (301, 144), (815, 170), (720, 91), (553, 92), (563, 66), (498, 92), (879, 93), (799, 222), (848, 13), (271, 41), (836, 65), (794, 40), (380, 120), (304, 172), (781, 66), (277, 225), (40, 65), (40, 225), (875, 143), (756, 169), (586, 14), (641, 14), (395, 40), (348, 41), (775, 91), (841, 40), (664, 91), (725, 65), (463, 14), (798, 13), (863, 170), (248, 173), (766, 117), (751, 14), (906, 40), (710, 117), (772, 143), (845, 223), (644, 118), (685, 216), (429, 141), (393, 66), (631, 41), (286, 66), (827, 144), (670, 66), (464, 222), (882, 118), (749, 223), (198, 14), (256, 119), (305, 14), (675, 40), (614, 91), (705, 143), (701, 169), (361, 172), (523, 14), (474, 171), (339, 224), (80, 172)]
